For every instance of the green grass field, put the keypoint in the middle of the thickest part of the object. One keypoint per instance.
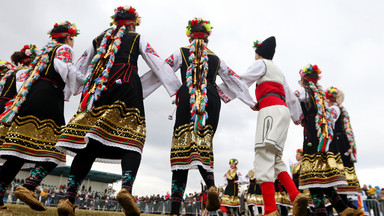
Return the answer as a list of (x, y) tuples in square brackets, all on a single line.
[(24, 210)]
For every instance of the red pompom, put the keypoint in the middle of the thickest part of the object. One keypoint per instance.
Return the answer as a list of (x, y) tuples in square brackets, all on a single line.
[(315, 68), (194, 22), (72, 31), (131, 11)]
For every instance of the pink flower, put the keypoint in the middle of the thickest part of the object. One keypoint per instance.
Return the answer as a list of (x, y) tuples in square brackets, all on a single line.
[(28, 52), (9, 67)]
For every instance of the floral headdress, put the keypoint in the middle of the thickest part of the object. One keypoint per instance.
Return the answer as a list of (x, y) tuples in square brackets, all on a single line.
[(30, 50), (198, 21), (299, 151), (71, 30), (37, 66), (233, 160), (311, 73), (128, 9), (335, 95), (5, 66)]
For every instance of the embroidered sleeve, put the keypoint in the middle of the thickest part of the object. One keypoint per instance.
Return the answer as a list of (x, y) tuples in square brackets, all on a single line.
[(233, 86), (64, 54), (175, 60), (160, 68), (21, 76), (335, 114), (293, 104), (301, 95), (84, 61), (68, 72)]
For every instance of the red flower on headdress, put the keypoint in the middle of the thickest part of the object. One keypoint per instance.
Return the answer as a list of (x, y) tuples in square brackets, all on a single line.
[(26, 46), (72, 31), (120, 8), (315, 68), (131, 10), (194, 22), (55, 25)]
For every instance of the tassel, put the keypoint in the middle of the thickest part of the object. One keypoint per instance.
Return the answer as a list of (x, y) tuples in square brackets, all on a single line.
[(84, 102), (90, 102), (4, 115), (10, 117)]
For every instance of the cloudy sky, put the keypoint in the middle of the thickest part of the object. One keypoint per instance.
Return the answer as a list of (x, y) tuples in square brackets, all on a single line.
[(344, 38)]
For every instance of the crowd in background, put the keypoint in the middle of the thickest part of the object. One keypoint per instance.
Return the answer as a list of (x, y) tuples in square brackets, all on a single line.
[(193, 203)]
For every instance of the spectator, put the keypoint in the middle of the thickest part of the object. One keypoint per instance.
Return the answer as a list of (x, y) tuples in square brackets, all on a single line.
[(44, 195), (380, 197)]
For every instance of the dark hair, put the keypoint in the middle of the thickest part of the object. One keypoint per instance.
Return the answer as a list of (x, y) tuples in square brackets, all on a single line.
[(59, 29), (199, 28), (313, 75), (17, 57), (124, 15)]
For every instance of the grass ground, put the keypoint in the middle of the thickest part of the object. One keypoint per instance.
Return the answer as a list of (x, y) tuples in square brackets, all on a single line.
[(24, 210)]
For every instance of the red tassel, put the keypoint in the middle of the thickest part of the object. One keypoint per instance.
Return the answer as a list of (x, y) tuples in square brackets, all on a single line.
[(83, 105), (5, 113), (324, 144)]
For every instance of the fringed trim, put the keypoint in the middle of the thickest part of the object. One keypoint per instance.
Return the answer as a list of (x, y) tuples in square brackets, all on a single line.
[(323, 119), (5, 77), (350, 135), (332, 184), (32, 159), (198, 66), (63, 147), (36, 67), (192, 165)]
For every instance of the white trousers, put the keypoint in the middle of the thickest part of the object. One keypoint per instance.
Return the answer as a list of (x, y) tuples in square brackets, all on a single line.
[(268, 165), (271, 133)]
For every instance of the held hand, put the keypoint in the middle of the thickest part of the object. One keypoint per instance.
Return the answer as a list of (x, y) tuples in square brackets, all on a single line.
[(255, 108)]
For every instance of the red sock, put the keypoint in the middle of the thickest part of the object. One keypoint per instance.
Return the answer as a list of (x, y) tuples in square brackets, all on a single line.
[(287, 182), (268, 190)]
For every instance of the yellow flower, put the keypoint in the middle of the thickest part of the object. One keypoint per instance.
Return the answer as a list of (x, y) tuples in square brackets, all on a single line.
[(207, 27)]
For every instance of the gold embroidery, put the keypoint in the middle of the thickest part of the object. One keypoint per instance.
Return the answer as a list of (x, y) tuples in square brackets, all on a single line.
[(251, 175), (30, 135), (110, 121), (254, 199), (296, 168), (185, 135), (231, 174), (188, 145), (230, 200), (4, 127), (321, 168)]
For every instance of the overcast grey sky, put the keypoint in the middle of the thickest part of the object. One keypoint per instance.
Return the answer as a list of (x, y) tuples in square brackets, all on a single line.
[(344, 38)]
